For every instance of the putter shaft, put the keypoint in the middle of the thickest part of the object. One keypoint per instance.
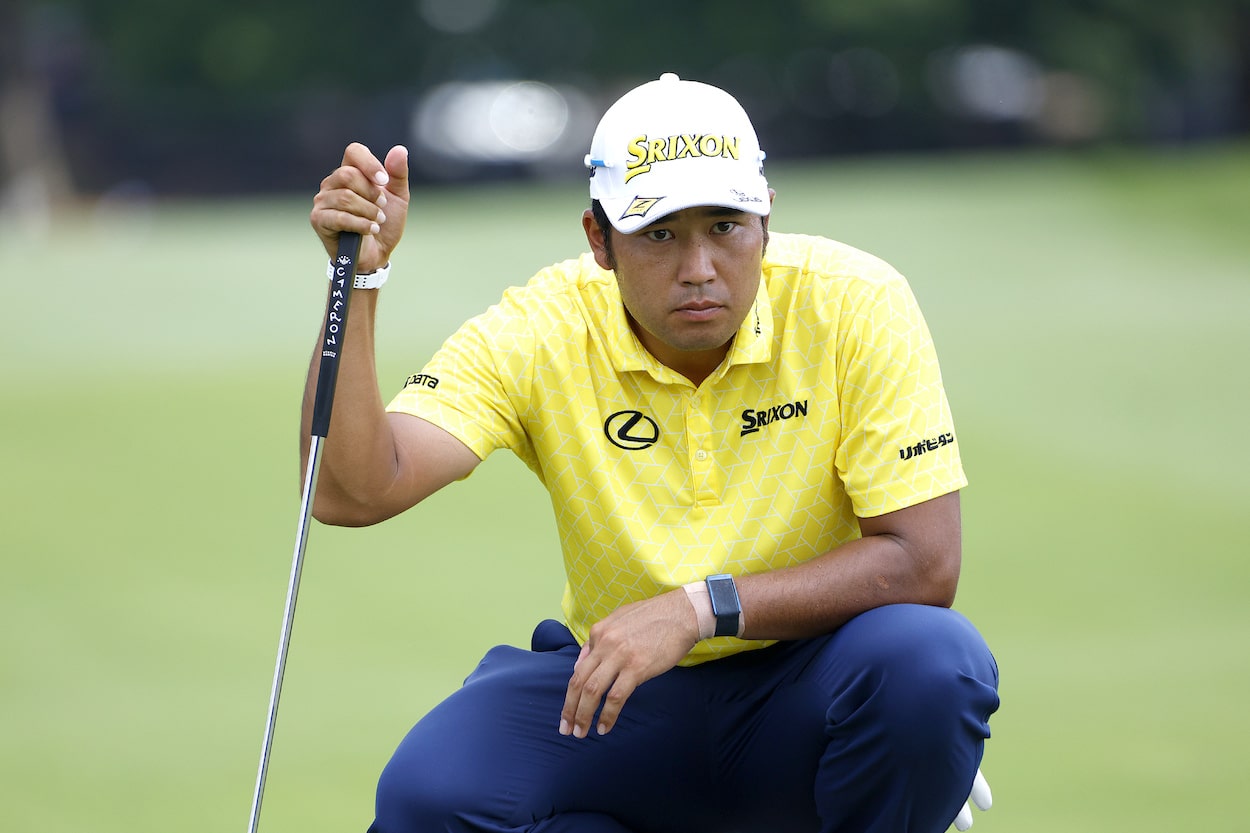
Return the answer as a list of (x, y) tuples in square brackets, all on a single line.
[(343, 277), (288, 620)]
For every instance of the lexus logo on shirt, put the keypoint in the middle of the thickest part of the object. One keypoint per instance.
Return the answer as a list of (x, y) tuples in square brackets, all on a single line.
[(631, 430)]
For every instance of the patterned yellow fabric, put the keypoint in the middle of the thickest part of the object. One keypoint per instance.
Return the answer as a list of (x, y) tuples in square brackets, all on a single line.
[(829, 406)]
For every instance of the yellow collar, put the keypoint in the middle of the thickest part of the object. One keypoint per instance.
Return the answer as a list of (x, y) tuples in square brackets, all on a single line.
[(752, 344)]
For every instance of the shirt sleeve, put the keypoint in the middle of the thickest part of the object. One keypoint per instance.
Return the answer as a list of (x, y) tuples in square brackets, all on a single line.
[(469, 387), (898, 445)]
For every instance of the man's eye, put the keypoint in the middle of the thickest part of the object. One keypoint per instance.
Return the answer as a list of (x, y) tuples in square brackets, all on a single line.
[(724, 226), (659, 234)]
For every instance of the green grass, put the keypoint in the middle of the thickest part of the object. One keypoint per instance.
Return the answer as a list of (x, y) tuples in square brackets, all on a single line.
[(1090, 311)]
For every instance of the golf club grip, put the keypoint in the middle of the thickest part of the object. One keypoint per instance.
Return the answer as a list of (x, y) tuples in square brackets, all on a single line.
[(335, 330)]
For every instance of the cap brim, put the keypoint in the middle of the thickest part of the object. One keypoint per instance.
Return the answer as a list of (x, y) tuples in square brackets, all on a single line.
[(631, 213)]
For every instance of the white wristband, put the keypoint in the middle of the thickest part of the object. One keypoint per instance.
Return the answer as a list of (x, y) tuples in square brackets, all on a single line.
[(372, 280)]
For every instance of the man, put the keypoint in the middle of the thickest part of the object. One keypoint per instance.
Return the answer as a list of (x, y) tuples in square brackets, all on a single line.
[(755, 479)]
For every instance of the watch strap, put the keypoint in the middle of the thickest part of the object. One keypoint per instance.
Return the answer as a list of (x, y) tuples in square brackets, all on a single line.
[(369, 280)]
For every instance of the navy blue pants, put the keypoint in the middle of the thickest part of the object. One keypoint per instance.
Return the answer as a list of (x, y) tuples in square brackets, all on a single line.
[(879, 726)]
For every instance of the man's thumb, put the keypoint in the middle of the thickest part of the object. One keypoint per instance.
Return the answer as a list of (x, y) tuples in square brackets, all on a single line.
[(397, 165)]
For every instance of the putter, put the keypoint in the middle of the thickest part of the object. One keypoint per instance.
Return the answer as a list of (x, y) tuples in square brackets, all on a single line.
[(331, 349)]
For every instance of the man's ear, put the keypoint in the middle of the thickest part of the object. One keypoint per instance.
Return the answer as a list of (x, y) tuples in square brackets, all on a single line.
[(772, 195), (595, 237)]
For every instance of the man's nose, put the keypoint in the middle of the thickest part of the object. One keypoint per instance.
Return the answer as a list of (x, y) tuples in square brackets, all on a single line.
[(696, 265)]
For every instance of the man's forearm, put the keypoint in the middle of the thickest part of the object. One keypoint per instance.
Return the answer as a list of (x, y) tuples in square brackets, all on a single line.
[(358, 457), (915, 560)]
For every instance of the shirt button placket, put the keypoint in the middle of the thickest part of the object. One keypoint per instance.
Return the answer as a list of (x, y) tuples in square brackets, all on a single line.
[(699, 437)]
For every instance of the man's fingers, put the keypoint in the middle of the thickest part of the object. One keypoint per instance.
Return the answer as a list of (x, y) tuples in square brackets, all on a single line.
[(603, 687), (340, 210), (350, 180), (366, 196), (340, 221), (594, 683), (582, 670), (361, 173), (613, 703), (348, 201), (361, 158), (964, 820), (633, 644), (588, 696), (351, 202)]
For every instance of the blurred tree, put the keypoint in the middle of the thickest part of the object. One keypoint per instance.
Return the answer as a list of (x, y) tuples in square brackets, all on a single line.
[(33, 173), (242, 94)]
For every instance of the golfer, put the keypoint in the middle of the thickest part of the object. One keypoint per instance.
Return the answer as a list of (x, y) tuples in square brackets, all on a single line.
[(755, 479)]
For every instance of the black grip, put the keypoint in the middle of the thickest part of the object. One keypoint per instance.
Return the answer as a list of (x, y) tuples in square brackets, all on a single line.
[(335, 329)]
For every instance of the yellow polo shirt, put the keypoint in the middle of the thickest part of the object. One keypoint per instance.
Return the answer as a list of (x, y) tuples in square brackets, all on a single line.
[(829, 406)]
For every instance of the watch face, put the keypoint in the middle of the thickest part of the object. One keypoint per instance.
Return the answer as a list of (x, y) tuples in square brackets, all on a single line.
[(725, 604)]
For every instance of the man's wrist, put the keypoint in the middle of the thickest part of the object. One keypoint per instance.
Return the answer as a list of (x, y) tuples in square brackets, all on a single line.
[(700, 597), (697, 593)]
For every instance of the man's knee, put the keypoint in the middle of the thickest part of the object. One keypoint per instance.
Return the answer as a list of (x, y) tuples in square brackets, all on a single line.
[(921, 673), (409, 800), (461, 767), (439, 777)]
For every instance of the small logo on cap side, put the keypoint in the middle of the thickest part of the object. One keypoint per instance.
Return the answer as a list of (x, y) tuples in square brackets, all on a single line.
[(640, 206)]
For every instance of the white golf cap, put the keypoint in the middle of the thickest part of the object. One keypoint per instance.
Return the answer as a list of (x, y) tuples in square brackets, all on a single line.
[(673, 144)]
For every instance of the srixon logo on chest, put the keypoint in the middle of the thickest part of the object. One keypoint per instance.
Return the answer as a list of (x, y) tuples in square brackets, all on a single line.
[(754, 419)]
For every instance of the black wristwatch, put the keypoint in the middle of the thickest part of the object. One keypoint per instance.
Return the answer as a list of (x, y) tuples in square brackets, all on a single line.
[(725, 604)]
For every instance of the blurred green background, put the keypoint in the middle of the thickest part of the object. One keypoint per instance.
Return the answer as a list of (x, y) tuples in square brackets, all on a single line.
[(1071, 215), (1090, 313)]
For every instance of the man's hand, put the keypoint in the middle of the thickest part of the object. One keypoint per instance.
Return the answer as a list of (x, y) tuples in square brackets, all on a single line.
[(635, 643), (366, 196), (980, 797)]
